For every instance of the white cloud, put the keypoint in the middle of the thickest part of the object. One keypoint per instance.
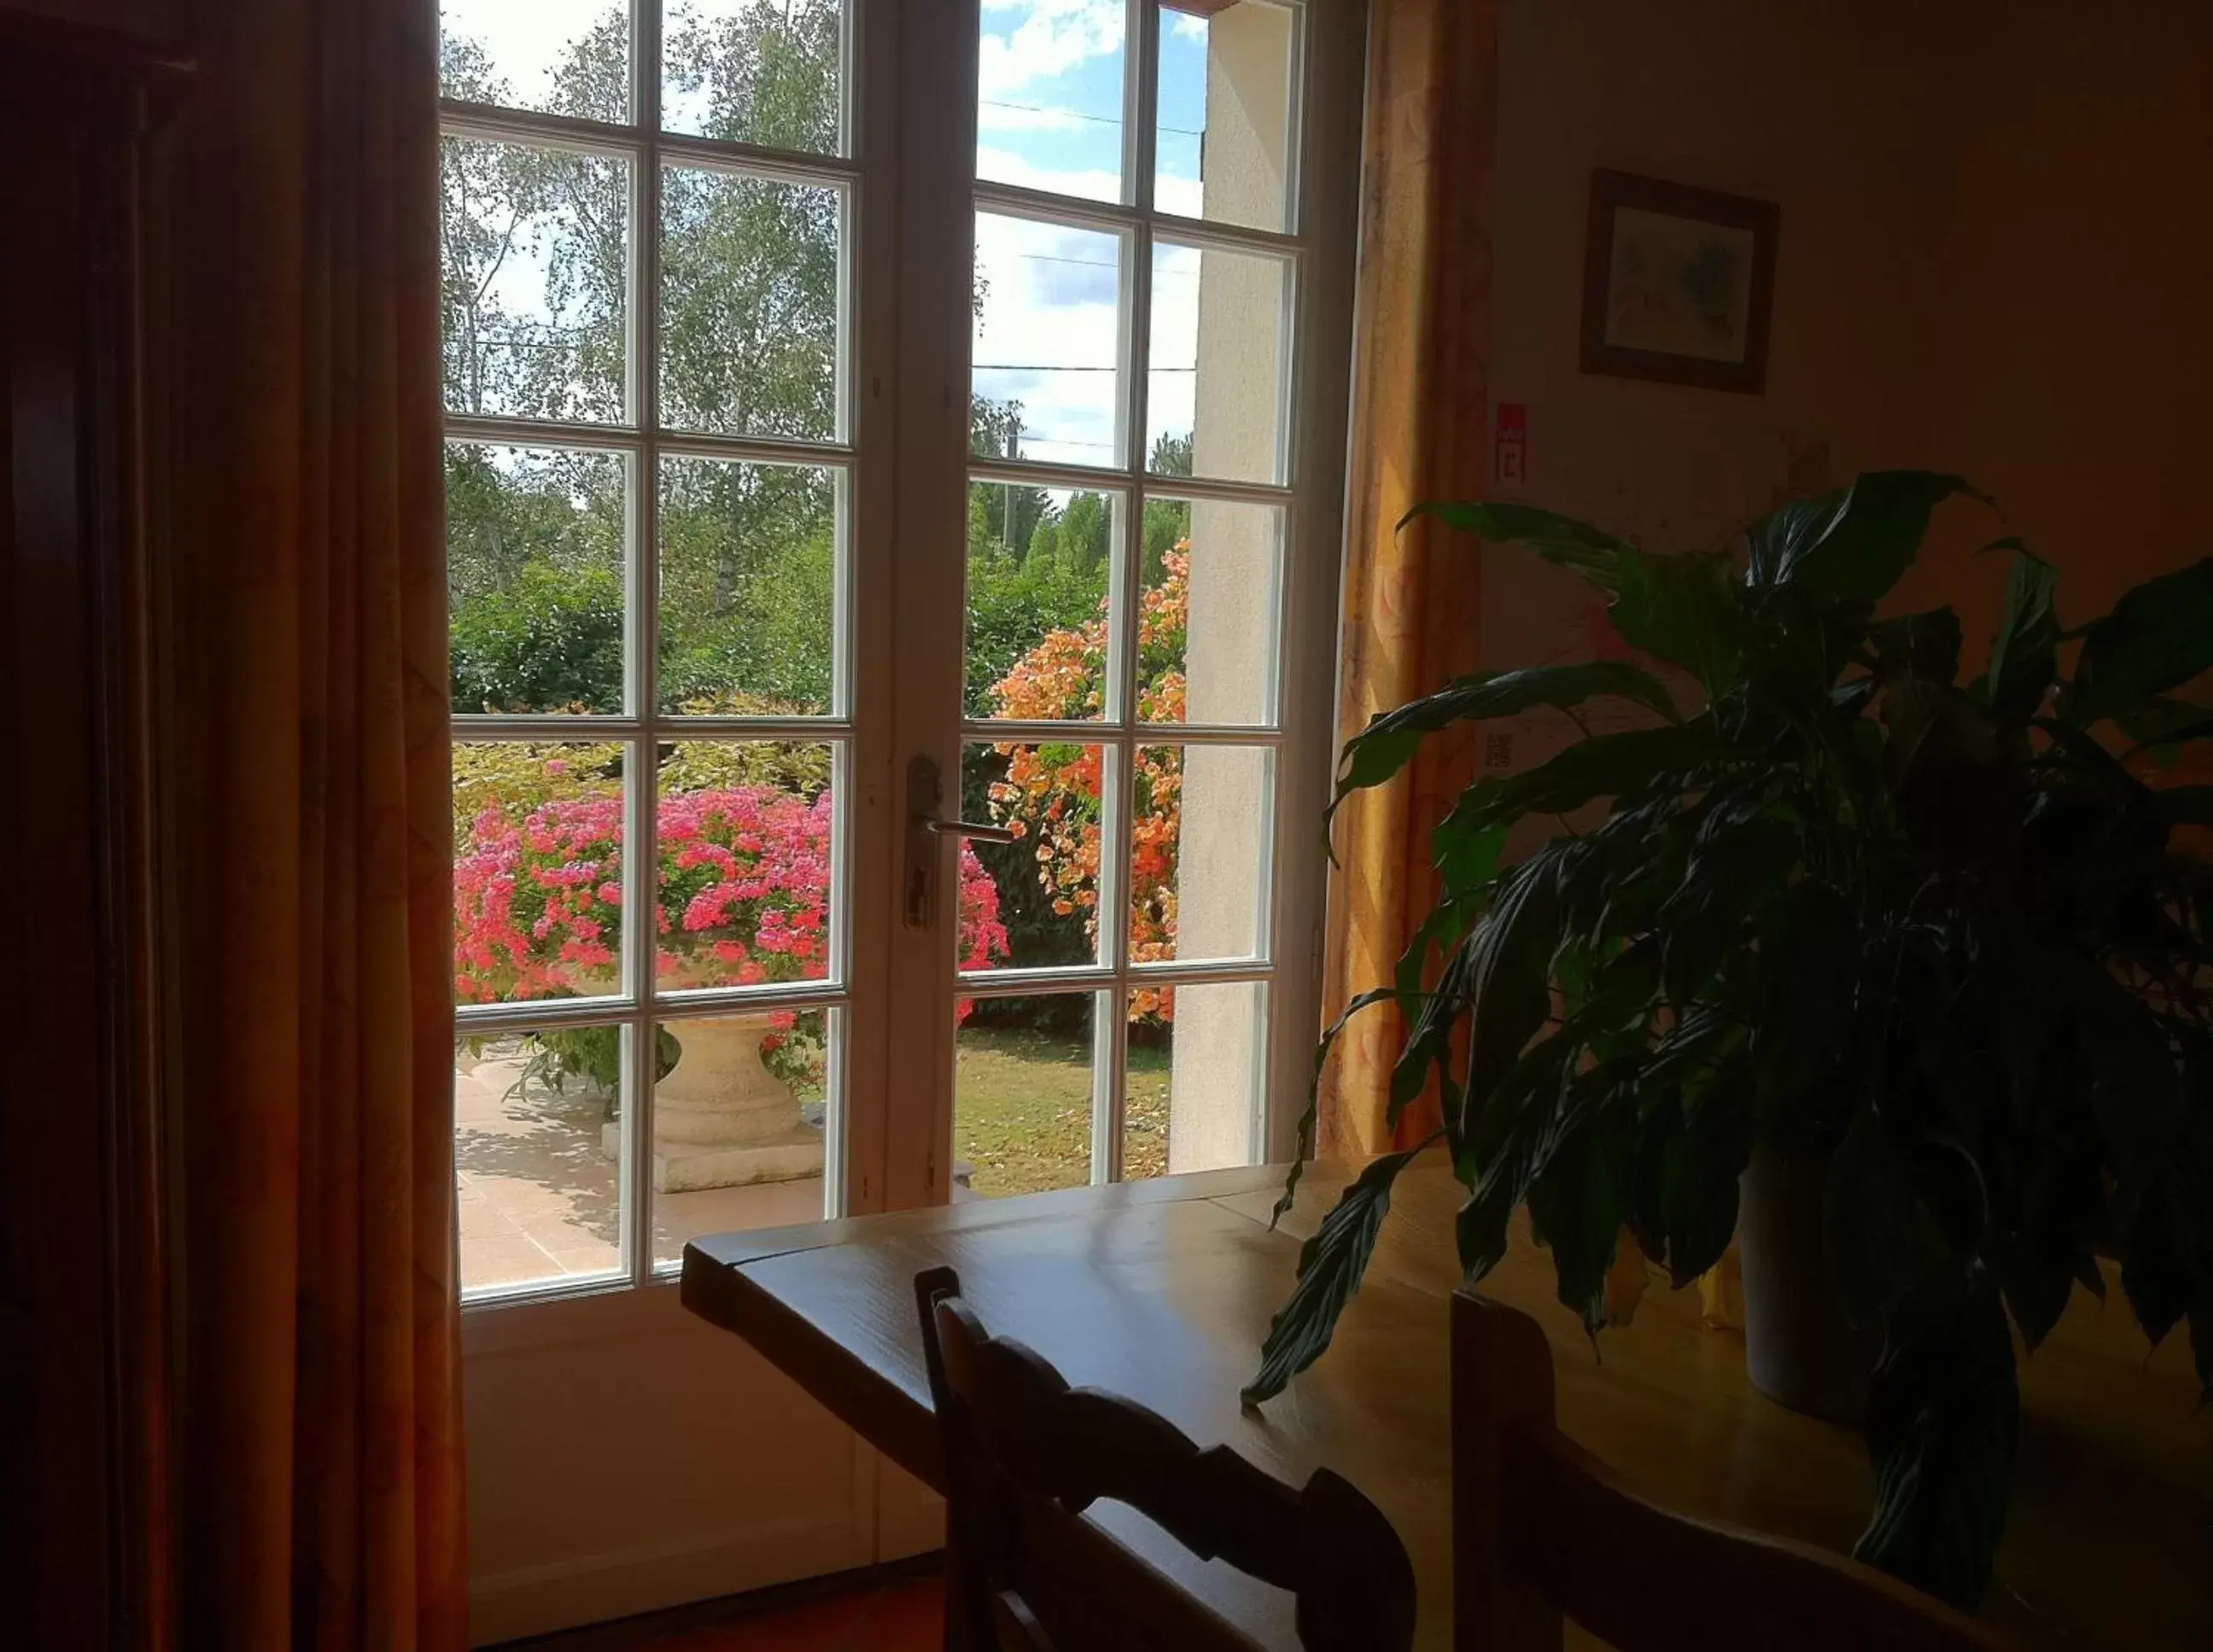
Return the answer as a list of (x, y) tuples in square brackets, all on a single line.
[(1053, 37), (526, 44), (1086, 183), (1187, 27)]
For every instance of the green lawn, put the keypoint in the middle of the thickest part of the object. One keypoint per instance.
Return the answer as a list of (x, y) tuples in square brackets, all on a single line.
[(1021, 1110)]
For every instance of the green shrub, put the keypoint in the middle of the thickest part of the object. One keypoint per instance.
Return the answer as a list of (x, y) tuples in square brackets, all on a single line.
[(552, 640)]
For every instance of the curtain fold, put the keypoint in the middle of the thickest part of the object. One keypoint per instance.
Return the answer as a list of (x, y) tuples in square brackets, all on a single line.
[(319, 1422), (1420, 428)]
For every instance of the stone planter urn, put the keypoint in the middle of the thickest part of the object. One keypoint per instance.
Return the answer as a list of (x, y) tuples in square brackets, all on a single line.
[(720, 1118)]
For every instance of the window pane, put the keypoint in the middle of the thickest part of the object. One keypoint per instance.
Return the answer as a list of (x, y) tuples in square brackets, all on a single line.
[(566, 57), (537, 1153), (750, 557), (538, 869), (1207, 632), (1214, 380), (1046, 382), (1201, 837), (1036, 900), (738, 1123), (1049, 96), (534, 541), (769, 72), (1222, 145), (1197, 1054), (749, 304), (1027, 1078), (1041, 582), (535, 273), (747, 834)]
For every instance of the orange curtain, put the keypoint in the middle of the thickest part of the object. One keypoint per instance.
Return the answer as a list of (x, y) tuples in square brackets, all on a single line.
[(318, 1422), (1420, 424)]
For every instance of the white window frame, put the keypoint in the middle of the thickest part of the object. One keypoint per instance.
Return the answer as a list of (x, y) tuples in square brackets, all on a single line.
[(934, 367), (906, 281), (641, 1004)]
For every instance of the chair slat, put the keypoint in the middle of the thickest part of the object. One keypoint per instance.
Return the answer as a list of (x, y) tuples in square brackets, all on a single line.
[(1544, 1530), (1026, 1454)]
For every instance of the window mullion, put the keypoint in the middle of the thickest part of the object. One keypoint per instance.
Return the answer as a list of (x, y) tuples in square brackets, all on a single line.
[(641, 632)]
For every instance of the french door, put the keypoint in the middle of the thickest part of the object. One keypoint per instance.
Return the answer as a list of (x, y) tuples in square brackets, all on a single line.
[(893, 472)]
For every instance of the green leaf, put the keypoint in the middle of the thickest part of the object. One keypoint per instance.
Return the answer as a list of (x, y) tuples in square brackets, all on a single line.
[(1778, 541), (1685, 610), (1505, 1147), (1312, 1116), (1330, 1266), (1685, 1197), (1604, 765), (1852, 547), (2024, 655), (1390, 740), (1578, 1200), (1872, 1233), (2158, 636), (1919, 644), (1507, 979), (2154, 1275), (1944, 1427), (2185, 805), (2163, 724), (1589, 551)]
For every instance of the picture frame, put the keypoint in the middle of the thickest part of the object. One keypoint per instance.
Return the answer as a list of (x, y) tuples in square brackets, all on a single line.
[(1679, 283)]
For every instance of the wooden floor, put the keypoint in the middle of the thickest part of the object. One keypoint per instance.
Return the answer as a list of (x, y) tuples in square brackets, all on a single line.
[(902, 1616)]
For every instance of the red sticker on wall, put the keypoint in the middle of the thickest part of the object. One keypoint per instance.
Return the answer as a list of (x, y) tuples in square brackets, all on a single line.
[(1510, 443)]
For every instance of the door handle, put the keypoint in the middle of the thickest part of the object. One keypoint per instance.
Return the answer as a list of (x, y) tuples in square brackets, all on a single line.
[(975, 829), (926, 825)]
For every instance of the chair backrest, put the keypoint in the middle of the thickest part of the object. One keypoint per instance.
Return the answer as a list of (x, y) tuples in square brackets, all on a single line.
[(1544, 1530), (1026, 1454)]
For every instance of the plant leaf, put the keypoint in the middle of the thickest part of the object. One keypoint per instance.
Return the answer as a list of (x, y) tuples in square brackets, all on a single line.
[(1685, 610), (2024, 653), (1612, 764), (1589, 551), (1779, 540), (1330, 1266), (2154, 1276), (1508, 954), (1853, 546), (2158, 636), (1390, 740), (1919, 644), (1312, 1116), (1871, 1231), (1578, 1199), (1943, 1426)]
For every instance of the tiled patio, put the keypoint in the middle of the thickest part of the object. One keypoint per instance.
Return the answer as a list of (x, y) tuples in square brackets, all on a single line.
[(540, 1200)]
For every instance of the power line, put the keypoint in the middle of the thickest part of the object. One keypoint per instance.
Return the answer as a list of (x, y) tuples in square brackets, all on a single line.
[(1060, 367), (1077, 114)]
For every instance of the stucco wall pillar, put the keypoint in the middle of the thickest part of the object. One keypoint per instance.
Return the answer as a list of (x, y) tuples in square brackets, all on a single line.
[(1234, 578)]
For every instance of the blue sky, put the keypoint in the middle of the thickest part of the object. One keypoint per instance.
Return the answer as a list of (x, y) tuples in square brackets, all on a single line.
[(1050, 118)]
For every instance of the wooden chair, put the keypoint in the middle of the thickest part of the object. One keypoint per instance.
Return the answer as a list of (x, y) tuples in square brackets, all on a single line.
[(1542, 1530), (1026, 1454)]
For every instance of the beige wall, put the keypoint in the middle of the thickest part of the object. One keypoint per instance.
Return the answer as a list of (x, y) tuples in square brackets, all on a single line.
[(1995, 258), (2070, 357)]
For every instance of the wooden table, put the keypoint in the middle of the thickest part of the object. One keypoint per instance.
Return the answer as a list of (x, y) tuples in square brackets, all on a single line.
[(1162, 1290)]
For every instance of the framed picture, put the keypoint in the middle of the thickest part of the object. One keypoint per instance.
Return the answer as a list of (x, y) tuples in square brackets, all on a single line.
[(1678, 283)]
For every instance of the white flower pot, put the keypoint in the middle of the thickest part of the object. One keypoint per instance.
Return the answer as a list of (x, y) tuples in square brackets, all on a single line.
[(720, 1118)]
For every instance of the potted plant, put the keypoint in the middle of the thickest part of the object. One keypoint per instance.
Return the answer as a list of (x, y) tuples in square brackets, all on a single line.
[(1827, 904), (744, 837)]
